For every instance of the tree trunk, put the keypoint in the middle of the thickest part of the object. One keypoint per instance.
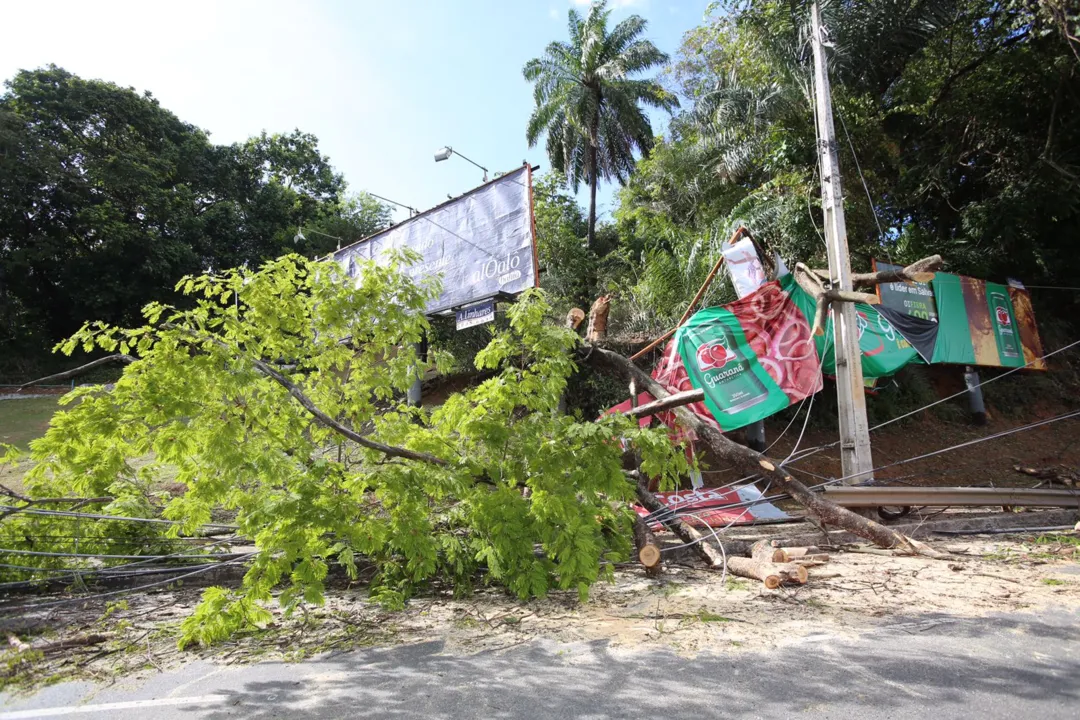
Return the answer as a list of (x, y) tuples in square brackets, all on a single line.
[(750, 462), (647, 548), (593, 179)]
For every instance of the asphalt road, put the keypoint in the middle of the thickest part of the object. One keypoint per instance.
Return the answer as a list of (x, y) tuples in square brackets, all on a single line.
[(1014, 667)]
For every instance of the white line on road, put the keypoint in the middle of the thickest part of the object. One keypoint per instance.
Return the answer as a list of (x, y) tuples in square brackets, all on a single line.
[(103, 707)]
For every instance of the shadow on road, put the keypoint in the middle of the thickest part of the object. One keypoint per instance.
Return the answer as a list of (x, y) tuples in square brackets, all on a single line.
[(947, 666)]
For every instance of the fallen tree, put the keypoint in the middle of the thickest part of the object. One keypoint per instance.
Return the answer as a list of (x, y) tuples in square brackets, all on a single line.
[(279, 397)]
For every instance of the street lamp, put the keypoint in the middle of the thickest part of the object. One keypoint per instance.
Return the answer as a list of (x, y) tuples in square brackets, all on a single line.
[(444, 153), (299, 236)]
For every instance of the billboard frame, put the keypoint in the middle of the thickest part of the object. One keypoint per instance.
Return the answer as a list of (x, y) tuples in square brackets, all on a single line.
[(499, 296)]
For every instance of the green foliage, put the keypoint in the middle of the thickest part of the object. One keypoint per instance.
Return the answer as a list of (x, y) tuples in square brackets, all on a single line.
[(959, 115), (107, 199), (588, 103), (500, 473)]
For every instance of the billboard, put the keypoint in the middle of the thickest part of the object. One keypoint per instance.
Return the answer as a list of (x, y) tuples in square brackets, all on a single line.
[(985, 324), (482, 244), (911, 298)]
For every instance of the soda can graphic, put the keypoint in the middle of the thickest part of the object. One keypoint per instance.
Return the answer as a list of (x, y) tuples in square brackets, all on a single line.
[(1000, 306), (727, 374)]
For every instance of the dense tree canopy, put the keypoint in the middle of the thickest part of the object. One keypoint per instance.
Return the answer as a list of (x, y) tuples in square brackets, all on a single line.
[(962, 117), (107, 199)]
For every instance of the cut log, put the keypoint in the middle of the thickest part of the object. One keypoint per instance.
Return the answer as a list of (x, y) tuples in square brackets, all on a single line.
[(648, 549), (791, 553), (749, 462), (574, 318), (762, 550), (770, 574), (598, 317)]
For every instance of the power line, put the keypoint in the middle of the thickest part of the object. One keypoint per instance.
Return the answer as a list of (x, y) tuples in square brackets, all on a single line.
[(85, 598), (97, 516), (985, 382)]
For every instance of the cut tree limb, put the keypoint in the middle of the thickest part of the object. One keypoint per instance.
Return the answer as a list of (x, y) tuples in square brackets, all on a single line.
[(668, 403), (765, 552), (750, 462), (647, 548), (769, 573), (75, 372), (598, 317), (918, 271)]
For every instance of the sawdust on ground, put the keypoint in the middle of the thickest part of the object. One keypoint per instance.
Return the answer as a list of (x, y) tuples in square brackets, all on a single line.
[(689, 610)]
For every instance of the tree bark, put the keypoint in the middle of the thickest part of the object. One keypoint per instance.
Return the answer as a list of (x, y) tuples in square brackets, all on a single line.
[(918, 271), (593, 179), (750, 462), (598, 316), (763, 551), (672, 401), (769, 573), (647, 548), (68, 374)]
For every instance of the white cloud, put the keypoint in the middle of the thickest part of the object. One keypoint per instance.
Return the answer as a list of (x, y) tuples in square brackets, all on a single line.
[(554, 14)]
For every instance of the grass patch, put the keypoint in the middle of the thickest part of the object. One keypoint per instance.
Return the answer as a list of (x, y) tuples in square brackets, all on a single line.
[(1053, 582), (705, 616), (24, 420)]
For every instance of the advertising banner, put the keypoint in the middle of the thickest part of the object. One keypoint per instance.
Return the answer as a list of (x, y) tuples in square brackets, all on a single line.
[(984, 324), (709, 507), (481, 244), (911, 298), (884, 350), (744, 266), (752, 358)]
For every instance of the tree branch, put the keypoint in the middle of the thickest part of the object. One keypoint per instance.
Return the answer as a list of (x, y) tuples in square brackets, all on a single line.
[(918, 271), (323, 419), (752, 463), (671, 401), (68, 374)]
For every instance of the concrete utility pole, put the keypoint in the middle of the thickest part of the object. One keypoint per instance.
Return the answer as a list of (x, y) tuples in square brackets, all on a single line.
[(854, 430)]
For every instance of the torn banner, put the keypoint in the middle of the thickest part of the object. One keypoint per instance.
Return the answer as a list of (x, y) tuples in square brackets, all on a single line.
[(752, 358), (884, 350), (709, 507)]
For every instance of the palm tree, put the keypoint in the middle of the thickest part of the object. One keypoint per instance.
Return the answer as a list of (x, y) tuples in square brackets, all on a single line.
[(588, 104)]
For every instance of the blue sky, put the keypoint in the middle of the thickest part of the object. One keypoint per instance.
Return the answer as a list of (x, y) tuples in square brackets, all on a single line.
[(381, 84)]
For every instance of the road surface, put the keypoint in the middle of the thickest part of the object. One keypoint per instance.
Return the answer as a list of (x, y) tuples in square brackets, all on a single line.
[(1010, 666)]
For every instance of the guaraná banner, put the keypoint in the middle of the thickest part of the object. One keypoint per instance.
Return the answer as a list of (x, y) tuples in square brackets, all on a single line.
[(884, 350), (752, 358)]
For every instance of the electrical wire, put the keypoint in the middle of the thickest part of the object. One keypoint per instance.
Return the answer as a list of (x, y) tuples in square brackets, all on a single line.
[(96, 516), (85, 598), (976, 441), (819, 448), (715, 535), (39, 553), (866, 188), (966, 390)]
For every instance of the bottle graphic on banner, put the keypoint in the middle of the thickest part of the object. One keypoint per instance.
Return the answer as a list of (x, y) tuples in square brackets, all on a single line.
[(727, 373), (999, 305)]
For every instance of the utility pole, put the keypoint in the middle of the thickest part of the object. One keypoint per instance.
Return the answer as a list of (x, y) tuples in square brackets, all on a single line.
[(854, 429)]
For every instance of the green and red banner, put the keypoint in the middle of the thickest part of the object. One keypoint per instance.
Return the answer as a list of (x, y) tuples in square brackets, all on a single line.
[(752, 358), (884, 350)]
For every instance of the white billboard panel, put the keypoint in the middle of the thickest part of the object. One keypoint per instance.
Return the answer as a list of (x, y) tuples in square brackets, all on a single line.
[(481, 244)]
